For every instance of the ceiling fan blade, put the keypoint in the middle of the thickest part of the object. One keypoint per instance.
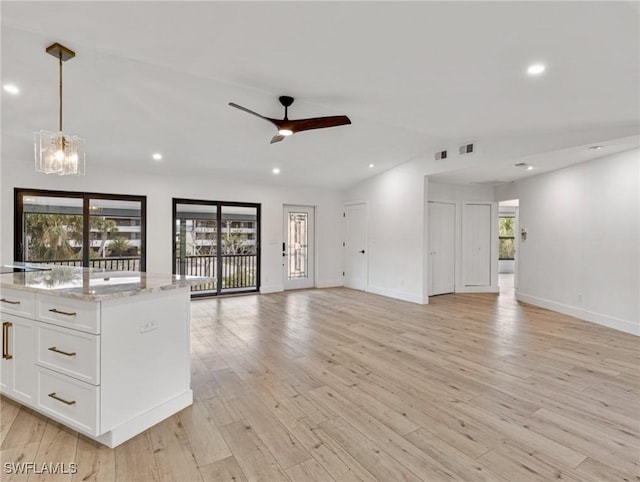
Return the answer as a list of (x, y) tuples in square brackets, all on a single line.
[(318, 123), (277, 138), (247, 110)]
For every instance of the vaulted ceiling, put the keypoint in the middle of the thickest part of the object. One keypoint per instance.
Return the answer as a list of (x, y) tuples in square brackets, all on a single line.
[(413, 77)]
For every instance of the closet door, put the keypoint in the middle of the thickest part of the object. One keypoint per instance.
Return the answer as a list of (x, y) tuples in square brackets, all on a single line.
[(476, 244), (442, 218)]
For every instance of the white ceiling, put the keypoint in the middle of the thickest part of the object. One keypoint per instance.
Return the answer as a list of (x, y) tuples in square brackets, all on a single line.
[(412, 76)]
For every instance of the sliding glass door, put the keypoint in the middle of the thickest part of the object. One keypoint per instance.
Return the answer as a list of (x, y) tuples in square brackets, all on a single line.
[(80, 229), (217, 239)]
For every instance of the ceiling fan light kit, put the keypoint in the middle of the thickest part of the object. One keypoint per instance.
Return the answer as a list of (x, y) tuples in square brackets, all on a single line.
[(287, 127), (56, 152)]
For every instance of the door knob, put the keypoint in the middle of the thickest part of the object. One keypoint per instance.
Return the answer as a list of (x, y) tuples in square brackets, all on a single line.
[(362, 251)]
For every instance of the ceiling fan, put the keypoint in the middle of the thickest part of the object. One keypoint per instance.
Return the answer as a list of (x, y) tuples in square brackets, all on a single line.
[(287, 126)]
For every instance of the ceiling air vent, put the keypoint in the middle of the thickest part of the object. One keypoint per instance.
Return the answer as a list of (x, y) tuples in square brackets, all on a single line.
[(441, 155), (466, 149)]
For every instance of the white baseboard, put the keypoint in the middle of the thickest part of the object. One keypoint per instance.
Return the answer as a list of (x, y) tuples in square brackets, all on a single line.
[(399, 295), (145, 420), (329, 284), (478, 289), (319, 284), (591, 316), (271, 289)]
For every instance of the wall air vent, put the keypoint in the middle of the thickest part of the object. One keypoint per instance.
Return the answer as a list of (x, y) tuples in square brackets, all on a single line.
[(441, 155), (467, 149)]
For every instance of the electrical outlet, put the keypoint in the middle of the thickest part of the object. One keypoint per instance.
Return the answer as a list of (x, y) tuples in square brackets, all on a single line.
[(579, 297), (146, 326)]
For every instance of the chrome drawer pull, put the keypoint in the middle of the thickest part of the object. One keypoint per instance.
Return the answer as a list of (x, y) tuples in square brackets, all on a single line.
[(5, 340), (4, 300), (65, 353), (67, 313), (53, 395)]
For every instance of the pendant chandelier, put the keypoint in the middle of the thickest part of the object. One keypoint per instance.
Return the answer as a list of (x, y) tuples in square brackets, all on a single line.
[(56, 152)]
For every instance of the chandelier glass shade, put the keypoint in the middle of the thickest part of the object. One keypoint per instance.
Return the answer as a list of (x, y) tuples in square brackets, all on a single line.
[(56, 152)]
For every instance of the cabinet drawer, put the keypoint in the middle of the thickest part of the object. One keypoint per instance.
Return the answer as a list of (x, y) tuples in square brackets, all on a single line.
[(69, 312), (73, 402), (17, 302), (71, 352)]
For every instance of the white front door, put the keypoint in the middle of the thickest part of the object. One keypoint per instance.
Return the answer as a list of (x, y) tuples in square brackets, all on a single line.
[(355, 246), (442, 242), (297, 248)]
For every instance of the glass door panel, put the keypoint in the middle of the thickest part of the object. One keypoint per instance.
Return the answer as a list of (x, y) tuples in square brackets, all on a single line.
[(298, 245), (239, 248), (196, 243), (52, 230), (115, 234)]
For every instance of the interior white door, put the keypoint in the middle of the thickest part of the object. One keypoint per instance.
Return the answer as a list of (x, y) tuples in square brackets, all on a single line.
[(442, 241), (355, 246), (298, 254), (476, 244)]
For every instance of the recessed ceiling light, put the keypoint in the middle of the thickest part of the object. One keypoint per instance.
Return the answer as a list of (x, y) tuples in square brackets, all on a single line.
[(529, 168), (276, 170), (11, 89), (371, 165), (157, 156), (536, 69), (595, 148)]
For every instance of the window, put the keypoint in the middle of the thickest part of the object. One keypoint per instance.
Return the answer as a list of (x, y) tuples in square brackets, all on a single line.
[(507, 225), (80, 229)]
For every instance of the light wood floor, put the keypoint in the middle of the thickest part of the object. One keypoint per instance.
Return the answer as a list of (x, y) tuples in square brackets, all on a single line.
[(341, 385)]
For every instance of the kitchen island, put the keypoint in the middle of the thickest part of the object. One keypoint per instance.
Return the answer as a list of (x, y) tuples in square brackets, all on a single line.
[(106, 353)]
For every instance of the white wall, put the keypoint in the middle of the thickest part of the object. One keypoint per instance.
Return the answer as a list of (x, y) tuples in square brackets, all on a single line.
[(459, 194), (396, 233), (582, 253), (161, 189)]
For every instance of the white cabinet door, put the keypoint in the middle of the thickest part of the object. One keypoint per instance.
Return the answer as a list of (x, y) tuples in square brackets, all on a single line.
[(18, 357), (442, 241), (476, 244)]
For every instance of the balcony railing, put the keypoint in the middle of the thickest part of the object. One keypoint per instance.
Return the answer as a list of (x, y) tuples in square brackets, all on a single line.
[(130, 263), (238, 270)]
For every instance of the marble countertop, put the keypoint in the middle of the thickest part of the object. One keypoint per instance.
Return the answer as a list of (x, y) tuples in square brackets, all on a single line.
[(92, 284)]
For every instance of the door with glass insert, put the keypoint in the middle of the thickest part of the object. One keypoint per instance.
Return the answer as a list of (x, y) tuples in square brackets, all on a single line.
[(298, 257), (219, 240)]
